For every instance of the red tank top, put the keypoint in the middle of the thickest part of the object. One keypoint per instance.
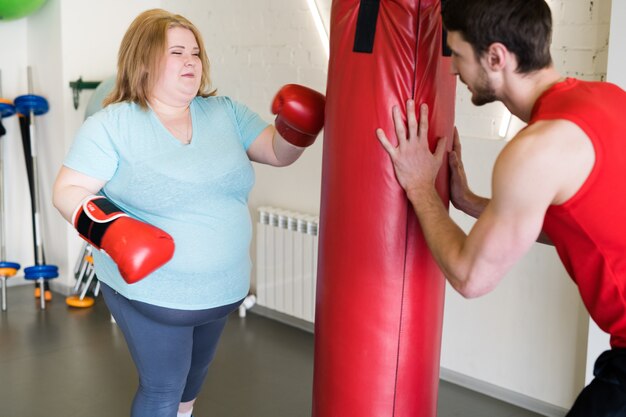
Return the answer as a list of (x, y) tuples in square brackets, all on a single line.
[(589, 230)]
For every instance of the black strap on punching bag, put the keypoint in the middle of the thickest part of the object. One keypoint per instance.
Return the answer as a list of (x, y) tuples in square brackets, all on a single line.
[(366, 26), (445, 51)]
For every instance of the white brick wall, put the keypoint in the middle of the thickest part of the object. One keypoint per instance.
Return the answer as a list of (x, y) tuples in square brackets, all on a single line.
[(581, 37), (579, 49), (257, 46)]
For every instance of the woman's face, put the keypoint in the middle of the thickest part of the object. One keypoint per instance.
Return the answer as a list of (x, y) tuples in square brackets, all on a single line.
[(181, 68)]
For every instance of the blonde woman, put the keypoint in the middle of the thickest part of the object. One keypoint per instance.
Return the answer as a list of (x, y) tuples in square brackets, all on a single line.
[(159, 181)]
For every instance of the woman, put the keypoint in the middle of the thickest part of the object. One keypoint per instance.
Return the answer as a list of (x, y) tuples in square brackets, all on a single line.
[(170, 162)]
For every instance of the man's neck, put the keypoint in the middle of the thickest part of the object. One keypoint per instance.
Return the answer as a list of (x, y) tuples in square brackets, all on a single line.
[(521, 91)]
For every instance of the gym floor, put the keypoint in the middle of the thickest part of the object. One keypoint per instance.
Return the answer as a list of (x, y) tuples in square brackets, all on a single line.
[(63, 362)]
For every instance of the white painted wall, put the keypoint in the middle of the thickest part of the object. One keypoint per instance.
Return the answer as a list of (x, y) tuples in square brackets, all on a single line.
[(529, 336), (17, 227), (45, 56)]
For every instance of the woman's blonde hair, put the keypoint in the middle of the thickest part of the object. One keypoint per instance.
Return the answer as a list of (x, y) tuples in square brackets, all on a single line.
[(141, 54)]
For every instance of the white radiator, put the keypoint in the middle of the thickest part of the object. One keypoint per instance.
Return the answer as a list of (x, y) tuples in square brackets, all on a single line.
[(286, 262)]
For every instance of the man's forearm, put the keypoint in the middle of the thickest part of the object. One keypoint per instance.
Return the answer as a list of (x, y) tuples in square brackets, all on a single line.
[(473, 205), (444, 237)]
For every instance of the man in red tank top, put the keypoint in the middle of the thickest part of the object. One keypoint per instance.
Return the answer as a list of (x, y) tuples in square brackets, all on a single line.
[(557, 181)]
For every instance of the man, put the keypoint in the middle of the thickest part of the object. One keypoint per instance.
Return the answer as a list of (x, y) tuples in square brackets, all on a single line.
[(559, 180)]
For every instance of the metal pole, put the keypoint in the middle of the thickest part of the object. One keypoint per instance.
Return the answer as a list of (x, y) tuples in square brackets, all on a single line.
[(4, 293), (36, 203), (2, 247)]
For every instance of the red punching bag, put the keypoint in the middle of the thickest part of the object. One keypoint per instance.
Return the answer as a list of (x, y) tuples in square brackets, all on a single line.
[(380, 295)]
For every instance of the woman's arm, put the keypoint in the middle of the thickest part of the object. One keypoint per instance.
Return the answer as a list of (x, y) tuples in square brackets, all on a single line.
[(270, 148), (299, 119), (71, 188)]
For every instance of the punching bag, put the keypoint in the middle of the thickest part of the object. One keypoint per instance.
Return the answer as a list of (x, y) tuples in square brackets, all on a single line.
[(380, 295)]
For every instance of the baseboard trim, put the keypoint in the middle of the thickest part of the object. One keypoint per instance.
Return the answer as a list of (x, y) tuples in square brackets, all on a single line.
[(462, 380), (60, 288), (502, 394), (283, 318)]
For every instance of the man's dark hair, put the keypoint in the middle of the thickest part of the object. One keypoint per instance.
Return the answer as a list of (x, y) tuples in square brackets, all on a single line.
[(523, 26)]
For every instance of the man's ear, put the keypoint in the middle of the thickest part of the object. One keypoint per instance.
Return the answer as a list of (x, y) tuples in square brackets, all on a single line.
[(496, 56)]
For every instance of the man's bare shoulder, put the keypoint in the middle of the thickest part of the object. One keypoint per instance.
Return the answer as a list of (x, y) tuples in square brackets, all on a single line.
[(549, 133), (554, 153)]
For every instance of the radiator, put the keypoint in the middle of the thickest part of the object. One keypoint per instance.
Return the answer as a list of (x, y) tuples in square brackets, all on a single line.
[(286, 262)]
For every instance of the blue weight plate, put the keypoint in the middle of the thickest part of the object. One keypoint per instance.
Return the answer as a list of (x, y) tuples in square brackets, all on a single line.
[(41, 271), (44, 275), (42, 268), (11, 265), (24, 104), (6, 110)]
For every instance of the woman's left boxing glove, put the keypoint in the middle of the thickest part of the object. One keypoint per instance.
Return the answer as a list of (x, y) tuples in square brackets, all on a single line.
[(299, 114)]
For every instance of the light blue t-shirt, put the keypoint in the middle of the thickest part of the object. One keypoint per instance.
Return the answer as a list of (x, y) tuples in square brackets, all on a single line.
[(198, 193)]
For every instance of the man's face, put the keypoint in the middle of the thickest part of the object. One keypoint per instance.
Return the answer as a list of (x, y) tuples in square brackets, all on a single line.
[(471, 71)]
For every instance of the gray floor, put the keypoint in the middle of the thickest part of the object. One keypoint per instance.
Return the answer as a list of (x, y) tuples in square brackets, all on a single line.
[(74, 363)]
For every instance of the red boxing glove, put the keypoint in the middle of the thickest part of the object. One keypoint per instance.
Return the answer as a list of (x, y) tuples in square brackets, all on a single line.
[(136, 247), (299, 114)]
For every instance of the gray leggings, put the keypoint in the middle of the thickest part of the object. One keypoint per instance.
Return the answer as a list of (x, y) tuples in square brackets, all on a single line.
[(172, 350)]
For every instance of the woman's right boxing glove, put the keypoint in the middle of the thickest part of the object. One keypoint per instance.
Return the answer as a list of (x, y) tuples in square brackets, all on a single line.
[(136, 247)]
